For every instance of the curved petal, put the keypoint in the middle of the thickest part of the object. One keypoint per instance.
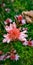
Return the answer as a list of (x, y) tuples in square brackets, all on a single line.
[(24, 31), (4, 35), (21, 37), (17, 57), (8, 28), (23, 21), (8, 40), (4, 40), (25, 43), (14, 24)]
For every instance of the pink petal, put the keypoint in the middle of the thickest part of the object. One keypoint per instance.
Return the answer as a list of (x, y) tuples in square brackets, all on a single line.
[(8, 40), (4, 40), (17, 57), (14, 24), (10, 20), (23, 21), (25, 43), (24, 31), (4, 57), (5, 22), (32, 42), (4, 35), (21, 37), (11, 26), (8, 28), (24, 35), (1, 57), (8, 57)]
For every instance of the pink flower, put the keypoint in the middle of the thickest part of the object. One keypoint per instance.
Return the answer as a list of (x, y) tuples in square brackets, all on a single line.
[(14, 57), (20, 19), (14, 33), (29, 43), (8, 20)]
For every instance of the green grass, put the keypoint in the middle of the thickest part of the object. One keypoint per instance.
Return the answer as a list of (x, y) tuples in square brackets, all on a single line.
[(25, 52)]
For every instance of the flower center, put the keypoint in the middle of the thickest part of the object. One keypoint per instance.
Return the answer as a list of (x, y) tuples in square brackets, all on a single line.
[(14, 33)]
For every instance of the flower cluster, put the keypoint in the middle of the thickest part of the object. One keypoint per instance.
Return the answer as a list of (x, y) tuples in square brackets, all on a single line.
[(30, 43), (12, 55), (14, 33)]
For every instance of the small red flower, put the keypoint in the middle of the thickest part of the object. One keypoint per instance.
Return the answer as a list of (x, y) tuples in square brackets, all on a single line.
[(29, 43), (20, 17), (12, 57), (7, 21)]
